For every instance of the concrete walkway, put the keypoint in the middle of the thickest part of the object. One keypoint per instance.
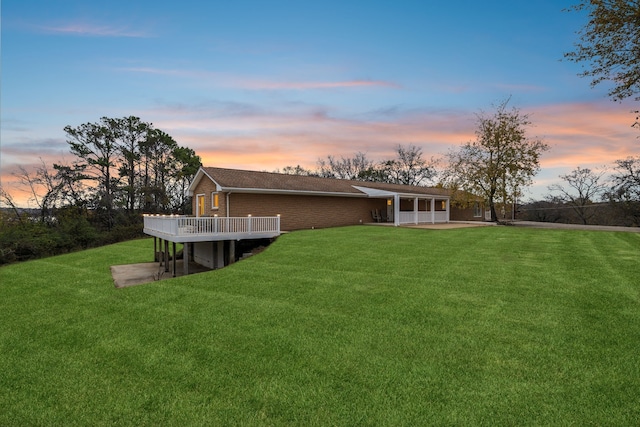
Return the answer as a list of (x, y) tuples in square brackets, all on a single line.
[(138, 274)]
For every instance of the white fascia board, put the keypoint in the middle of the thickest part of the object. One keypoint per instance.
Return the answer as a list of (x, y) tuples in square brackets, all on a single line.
[(373, 192), (289, 192), (196, 180)]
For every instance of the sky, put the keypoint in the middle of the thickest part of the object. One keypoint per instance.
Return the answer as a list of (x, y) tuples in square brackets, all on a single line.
[(264, 84)]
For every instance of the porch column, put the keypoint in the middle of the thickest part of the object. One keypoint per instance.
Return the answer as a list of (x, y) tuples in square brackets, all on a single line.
[(433, 210), (447, 206), (415, 210), (396, 210)]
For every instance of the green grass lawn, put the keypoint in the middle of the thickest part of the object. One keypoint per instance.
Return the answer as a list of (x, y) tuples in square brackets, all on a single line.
[(348, 326)]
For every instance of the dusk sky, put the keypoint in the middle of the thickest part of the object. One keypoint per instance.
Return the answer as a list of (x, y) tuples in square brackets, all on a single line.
[(265, 84)]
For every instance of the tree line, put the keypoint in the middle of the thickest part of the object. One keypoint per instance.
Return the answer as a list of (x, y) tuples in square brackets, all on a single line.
[(121, 167), (592, 196)]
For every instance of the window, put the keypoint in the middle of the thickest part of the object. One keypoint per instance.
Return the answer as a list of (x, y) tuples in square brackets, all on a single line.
[(214, 200), (477, 213), (444, 205)]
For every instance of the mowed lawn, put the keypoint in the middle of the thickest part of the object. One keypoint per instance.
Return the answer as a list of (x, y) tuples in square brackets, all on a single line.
[(375, 326)]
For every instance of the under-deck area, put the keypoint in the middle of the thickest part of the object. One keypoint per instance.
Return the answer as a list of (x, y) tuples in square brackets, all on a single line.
[(208, 241)]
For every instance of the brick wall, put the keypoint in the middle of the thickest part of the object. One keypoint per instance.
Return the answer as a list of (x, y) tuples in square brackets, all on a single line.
[(300, 212), (464, 214), (207, 187)]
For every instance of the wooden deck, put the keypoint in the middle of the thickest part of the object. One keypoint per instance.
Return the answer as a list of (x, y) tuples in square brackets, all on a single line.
[(184, 229)]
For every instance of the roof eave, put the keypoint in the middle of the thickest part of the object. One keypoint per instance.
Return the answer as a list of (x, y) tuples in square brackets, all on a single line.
[(290, 192)]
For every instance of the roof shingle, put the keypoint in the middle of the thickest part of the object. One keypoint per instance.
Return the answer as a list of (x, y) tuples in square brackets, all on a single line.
[(254, 180)]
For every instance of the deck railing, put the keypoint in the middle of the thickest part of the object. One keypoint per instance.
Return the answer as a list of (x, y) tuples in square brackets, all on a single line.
[(177, 226), (409, 217)]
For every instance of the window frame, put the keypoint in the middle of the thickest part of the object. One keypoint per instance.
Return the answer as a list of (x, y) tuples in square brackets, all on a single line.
[(215, 200), (477, 210)]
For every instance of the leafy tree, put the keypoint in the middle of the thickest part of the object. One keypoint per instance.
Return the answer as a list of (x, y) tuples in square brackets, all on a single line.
[(186, 165), (582, 189), (130, 134), (609, 45), (71, 188), (500, 162), (94, 144), (158, 168)]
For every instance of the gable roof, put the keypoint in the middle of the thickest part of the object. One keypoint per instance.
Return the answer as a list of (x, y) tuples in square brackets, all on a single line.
[(277, 183)]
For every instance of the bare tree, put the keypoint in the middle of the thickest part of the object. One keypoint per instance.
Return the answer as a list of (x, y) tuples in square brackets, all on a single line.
[(625, 192), (7, 199), (344, 168), (295, 170), (409, 167), (583, 188), (42, 187)]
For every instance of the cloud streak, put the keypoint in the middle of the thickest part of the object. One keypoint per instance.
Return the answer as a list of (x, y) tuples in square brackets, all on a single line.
[(93, 30), (249, 83)]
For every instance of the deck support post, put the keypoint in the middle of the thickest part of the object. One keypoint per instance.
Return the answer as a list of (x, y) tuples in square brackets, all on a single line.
[(174, 258), (232, 251), (218, 254), (166, 256), (155, 249), (186, 254)]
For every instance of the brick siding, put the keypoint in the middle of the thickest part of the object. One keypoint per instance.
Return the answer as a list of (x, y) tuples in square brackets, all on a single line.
[(303, 212), (300, 212)]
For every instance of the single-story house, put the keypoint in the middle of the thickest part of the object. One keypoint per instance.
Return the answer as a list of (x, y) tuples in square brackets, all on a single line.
[(233, 205)]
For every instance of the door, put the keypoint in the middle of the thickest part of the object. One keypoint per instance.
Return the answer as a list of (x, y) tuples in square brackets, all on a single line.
[(200, 205)]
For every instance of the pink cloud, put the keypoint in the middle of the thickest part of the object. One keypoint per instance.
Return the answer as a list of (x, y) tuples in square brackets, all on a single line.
[(248, 136)]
